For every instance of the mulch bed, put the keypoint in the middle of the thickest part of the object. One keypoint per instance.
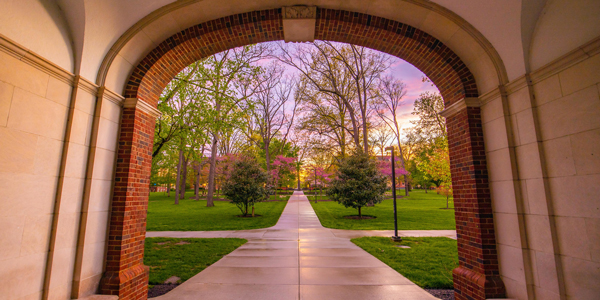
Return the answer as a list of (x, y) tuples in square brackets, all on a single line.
[(442, 294), (161, 289), (249, 216), (364, 217)]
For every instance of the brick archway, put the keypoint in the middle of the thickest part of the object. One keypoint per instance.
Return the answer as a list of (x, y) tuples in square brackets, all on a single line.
[(477, 276)]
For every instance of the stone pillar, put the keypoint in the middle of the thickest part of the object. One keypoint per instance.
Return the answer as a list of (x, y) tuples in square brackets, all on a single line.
[(477, 276), (125, 274)]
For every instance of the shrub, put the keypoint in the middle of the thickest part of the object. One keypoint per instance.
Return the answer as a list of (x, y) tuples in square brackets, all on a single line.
[(245, 184), (358, 182)]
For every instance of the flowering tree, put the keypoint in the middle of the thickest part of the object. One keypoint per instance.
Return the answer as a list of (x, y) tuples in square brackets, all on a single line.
[(320, 177), (385, 167), (281, 167)]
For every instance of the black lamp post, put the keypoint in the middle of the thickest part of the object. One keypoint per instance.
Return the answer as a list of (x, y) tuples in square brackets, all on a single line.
[(315, 184), (395, 238)]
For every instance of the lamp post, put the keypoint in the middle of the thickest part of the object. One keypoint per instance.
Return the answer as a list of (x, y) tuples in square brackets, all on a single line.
[(395, 238), (315, 184)]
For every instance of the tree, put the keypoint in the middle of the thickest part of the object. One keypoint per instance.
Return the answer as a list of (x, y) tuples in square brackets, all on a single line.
[(319, 176), (381, 135), (390, 99), (430, 125), (220, 80), (268, 109), (346, 73), (437, 167), (246, 184), (282, 166), (385, 167), (358, 182)]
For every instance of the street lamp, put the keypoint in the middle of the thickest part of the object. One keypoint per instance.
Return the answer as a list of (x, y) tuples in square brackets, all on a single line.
[(315, 184), (395, 238)]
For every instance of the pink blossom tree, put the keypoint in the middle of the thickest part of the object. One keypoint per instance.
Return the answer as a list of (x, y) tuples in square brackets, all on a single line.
[(281, 167), (320, 177), (385, 167)]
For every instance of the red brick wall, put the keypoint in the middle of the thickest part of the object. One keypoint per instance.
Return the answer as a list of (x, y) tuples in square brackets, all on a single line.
[(476, 278), (125, 274)]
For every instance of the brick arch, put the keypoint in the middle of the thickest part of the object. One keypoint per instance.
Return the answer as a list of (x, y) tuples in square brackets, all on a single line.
[(477, 276), (428, 54)]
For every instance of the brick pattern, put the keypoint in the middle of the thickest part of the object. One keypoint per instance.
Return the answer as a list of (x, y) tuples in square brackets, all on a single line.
[(428, 54), (125, 275), (477, 276)]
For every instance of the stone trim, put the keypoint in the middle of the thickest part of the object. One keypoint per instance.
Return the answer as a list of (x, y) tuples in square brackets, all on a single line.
[(141, 105), (25, 55), (299, 23), (459, 106), (299, 12), (576, 56), (111, 96), (558, 65), (86, 85)]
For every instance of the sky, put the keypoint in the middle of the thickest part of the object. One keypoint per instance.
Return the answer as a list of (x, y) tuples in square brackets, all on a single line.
[(413, 78)]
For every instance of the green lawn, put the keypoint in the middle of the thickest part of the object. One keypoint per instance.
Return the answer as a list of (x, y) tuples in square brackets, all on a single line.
[(419, 211), (191, 215), (428, 263), (184, 258)]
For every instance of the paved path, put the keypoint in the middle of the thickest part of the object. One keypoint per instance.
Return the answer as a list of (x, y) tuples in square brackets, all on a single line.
[(297, 259)]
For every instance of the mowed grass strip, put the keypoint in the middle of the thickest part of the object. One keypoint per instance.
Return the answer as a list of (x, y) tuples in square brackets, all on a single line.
[(184, 258), (419, 211), (428, 263), (192, 215)]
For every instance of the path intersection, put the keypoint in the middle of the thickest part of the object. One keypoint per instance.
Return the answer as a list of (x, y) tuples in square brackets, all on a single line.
[(298, 259)]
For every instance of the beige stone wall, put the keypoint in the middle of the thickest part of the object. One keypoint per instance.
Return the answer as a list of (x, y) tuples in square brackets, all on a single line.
[(542, 135), (569, 119), (33, 117), (55, 197)]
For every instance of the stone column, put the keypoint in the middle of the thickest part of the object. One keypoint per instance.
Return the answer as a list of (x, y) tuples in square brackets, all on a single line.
[(477, 276), (125, 274)]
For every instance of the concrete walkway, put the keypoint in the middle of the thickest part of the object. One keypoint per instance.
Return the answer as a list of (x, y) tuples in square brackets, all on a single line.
[(297, 259)]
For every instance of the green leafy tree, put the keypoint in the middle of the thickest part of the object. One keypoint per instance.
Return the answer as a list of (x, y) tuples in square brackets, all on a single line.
[(224, 81), (358, 182), (437, 167), (246, 184)]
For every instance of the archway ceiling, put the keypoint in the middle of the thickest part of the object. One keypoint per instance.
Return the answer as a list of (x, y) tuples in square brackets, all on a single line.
[(417, 13), (105, 22)]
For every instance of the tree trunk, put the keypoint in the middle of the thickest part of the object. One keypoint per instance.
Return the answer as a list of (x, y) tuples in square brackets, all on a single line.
[(197, 187), (406, 187), (169, 190), (253, 211), (211, 173), (359, 212), (447, 198), (178, 176), (298, 178), (184, 178)]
